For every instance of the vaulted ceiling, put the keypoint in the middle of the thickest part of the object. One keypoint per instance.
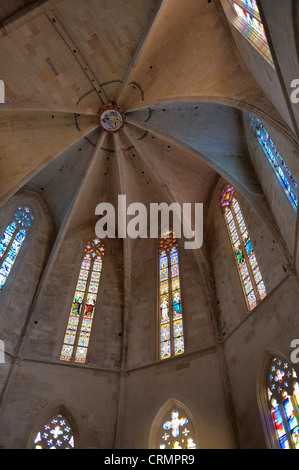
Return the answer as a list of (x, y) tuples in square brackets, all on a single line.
[(172, 68)]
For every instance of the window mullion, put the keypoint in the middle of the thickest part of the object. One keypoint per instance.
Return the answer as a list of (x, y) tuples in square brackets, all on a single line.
[(83, 306), (170, 312), (248, 9), (246, 259), (286, 426), (9, 245)]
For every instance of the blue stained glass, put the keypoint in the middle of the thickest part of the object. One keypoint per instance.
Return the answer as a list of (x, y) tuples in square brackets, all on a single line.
[(248, 18), (7, 237), (91, 261), (281, 170), (12, 254), (174, 263), (170, 307), (163, 267), (12, 241), (252, 4)]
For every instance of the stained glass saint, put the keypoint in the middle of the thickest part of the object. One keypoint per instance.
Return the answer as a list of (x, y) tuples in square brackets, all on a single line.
[(80, 321), (248, 268), (171, 318)]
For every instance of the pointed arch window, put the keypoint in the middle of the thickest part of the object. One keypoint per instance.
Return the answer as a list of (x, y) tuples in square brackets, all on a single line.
[(248, 268), (172, 341), (276, 161), (79, 325), (56, 433), (12, 241), (283, 403), (175, 430), (248, 21)]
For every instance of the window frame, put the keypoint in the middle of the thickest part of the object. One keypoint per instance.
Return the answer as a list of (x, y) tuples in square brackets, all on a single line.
[(13, 238), (250, 269), (75, 345), (263, 400), (256, 39), (172, 355)]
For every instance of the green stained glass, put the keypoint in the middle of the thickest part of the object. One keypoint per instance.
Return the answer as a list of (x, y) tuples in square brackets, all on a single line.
[(282, 386), (82, 310), (250, 275), (171, 342)]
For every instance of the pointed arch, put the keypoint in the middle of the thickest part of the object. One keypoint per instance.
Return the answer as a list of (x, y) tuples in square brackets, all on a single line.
[(78, 330), (278, 399), (249, 272), (173, 427), (56, 429), (12, 241), (171, 328)]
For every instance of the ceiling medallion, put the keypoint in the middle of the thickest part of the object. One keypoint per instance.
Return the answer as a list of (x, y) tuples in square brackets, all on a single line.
[(111, 118)]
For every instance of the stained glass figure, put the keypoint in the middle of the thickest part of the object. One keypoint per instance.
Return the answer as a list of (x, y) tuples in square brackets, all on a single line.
[(80, 321), (276, 161), (249, 271), (171, 317), (12, 241), (55, 434), (177, 432), (282, 387)]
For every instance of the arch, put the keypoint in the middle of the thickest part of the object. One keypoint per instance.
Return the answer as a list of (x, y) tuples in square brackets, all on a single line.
[(171, 328), (78, 330), (249, 272), (69, 428), (278, 400), (163, 416)]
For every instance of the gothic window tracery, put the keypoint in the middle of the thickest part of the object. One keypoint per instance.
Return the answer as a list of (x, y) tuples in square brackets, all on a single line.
[(283, 402), (80, 321), (56, 433), (176, 432), (248, 268), (172, 341)]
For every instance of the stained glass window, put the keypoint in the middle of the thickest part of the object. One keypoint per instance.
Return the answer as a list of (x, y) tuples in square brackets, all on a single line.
[(171, 317), (249, 23), (248, 268), (248, 11), (56, 433), (276, 161), (282, 388), (12, 241), (177, 432), (79, 325)]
